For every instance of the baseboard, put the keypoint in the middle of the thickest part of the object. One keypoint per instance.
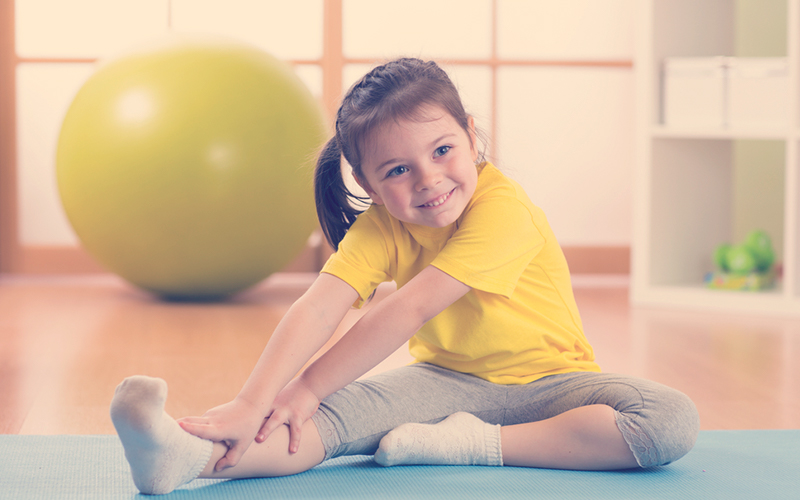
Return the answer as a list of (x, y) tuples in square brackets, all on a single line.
[(598, 259), (75, 260), (55, 260)]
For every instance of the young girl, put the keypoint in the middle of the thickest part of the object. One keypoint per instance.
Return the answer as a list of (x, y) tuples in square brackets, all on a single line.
[(504, 374)]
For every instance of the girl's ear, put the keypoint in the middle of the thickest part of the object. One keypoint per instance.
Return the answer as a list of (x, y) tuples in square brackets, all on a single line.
[(372, 194), (473, 139)]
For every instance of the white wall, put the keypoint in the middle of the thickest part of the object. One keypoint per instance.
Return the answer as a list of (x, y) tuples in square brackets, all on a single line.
[(565, 133)]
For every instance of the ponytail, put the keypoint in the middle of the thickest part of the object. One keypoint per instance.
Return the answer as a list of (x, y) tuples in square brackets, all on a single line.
[(335, 212)]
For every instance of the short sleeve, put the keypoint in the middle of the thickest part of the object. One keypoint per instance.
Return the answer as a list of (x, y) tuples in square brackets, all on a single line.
[(494, 243), (362, 260)]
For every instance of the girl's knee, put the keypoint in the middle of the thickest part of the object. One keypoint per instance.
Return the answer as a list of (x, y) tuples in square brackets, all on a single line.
[(663, 431), (681, 434)]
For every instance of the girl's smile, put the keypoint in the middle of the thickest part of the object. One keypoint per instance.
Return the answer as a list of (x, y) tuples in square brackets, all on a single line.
[(423, 171), (438, 201)]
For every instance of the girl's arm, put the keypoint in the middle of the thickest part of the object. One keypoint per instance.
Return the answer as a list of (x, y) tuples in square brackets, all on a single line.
[(305, 328), (309, 323), (381, 331), (375, 336)]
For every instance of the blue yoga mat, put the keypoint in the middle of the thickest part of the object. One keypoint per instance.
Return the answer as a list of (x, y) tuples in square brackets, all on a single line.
[(763, 465)]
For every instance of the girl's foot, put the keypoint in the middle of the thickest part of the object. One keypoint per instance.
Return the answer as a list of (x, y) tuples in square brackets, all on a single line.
[(460, 439), (162, 456)]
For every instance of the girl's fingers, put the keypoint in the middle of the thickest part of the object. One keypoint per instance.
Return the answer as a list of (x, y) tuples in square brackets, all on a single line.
[(263, 432), (201, 430), (267, 428), (295, 427), (193, 420), (231, 458)]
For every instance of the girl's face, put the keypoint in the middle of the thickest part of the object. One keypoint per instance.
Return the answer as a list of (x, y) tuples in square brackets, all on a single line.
[(423, 171)]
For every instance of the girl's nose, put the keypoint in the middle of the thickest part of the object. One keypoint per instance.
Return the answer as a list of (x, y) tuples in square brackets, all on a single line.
[(429, 177)]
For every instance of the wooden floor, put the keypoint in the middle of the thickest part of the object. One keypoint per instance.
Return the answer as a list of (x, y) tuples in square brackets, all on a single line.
[(65, 343)]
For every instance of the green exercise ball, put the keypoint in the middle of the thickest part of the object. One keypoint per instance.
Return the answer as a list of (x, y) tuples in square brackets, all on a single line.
[(186, 168)]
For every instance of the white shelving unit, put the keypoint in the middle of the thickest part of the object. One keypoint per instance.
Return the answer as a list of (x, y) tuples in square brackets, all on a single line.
[(684, 176)]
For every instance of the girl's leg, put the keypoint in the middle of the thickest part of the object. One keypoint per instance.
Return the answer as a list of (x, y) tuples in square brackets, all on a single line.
[(162, 456), (353, 420), (573, 421), (659, 424), (585, 438), (271, 458)]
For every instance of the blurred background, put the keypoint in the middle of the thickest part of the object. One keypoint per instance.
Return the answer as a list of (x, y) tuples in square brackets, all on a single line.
[(551, 83), (554, 85)]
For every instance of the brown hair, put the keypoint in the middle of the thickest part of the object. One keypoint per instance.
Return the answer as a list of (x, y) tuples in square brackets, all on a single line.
[(392, 91)]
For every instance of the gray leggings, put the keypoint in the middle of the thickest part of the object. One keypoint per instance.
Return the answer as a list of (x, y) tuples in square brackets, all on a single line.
[(660, 424)]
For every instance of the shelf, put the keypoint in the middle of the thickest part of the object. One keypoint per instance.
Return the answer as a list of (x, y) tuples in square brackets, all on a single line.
[(698, 187)]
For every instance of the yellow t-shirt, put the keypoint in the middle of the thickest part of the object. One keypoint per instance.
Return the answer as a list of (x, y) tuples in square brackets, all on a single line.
[(519, 322)]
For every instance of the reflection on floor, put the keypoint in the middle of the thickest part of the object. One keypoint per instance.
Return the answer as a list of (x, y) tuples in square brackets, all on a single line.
[(65, 343)]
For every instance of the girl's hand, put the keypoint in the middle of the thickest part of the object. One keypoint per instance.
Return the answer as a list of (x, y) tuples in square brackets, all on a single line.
[(293, 406), (235, 424)]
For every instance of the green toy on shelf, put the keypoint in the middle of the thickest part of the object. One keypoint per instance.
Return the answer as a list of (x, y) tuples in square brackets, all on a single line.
[(747, 266)]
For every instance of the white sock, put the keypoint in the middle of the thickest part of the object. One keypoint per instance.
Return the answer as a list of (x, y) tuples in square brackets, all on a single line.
[(162, 456), (460, 439)]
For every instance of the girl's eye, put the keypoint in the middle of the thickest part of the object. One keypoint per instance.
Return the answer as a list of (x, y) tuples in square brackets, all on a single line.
[(399, 170), (441, 151)]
